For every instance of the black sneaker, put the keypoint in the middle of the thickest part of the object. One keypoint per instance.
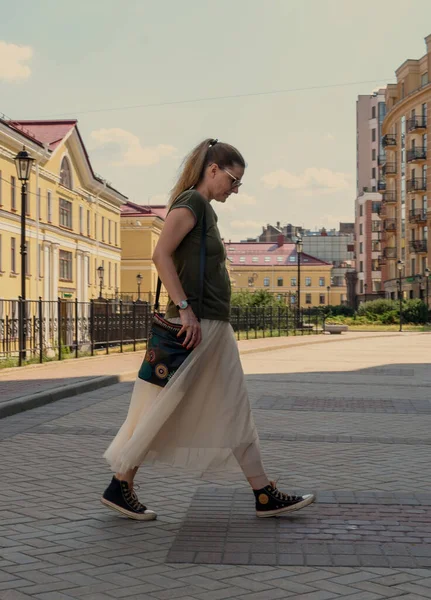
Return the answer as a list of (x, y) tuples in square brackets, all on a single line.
[(119, 497), (270, 502)]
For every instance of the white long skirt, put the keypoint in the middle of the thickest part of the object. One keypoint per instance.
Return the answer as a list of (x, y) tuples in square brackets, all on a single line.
[(201, 420)]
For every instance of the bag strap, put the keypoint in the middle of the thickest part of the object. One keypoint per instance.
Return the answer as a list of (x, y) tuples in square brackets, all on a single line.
[(201, 272)]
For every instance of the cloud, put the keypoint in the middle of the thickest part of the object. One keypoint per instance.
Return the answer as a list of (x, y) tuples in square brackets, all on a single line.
[(330, 137), (12, 62), (244, 199), (240, 225), (128, 146), (310, 179)]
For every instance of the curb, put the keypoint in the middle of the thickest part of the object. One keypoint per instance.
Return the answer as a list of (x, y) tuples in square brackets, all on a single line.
[(18, 405)]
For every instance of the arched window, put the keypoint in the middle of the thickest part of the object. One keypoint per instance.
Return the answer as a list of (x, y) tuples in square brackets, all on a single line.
[(66, 174)]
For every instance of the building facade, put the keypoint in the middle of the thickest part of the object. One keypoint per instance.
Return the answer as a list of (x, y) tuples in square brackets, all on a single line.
[(370, 114), (405, 165), (140, 230), (72, 216), (274, 267)]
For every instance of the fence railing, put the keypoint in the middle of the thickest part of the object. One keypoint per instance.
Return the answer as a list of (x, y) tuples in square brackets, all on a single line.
[(39, 330)]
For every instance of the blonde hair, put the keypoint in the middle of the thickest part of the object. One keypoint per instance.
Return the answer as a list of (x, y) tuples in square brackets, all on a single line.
[(207, 152)]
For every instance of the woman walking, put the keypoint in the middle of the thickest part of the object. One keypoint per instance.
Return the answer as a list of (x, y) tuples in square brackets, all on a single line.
[(201, 419)]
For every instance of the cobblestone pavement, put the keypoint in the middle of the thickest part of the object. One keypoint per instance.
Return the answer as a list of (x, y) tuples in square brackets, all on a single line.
[(349, 420)]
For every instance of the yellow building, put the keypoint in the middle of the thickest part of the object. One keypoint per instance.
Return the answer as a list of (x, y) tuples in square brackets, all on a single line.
[(73, 216), (406, 214), (274, 267), (140, 230)]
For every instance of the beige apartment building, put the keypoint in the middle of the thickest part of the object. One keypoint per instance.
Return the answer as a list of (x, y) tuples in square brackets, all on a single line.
[(406, 213)]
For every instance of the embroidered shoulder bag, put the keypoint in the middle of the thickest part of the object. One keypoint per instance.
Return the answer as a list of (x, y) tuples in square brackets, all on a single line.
[(165, 352)]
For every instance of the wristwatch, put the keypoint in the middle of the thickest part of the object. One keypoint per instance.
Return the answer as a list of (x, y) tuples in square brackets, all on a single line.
[(182, 305)]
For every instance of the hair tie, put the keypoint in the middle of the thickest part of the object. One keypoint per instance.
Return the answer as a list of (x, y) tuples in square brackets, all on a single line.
[(213, 142)]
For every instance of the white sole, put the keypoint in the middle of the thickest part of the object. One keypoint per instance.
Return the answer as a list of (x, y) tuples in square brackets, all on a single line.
[(279, 511), (144, 517)]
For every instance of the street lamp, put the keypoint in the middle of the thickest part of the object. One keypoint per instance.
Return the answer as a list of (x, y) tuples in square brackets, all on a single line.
[(299, 247), (365, 291), (139, 279), (23, 163), (400, 265), (427, 277), (328, 289), (101, 273)]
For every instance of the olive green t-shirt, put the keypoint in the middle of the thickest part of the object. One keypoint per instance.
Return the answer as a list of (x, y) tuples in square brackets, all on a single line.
[(216, 289)]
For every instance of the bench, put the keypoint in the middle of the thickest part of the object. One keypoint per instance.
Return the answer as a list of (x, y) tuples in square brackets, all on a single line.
[(335, 329)]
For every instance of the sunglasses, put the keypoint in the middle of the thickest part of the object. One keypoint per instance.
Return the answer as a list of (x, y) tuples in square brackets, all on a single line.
[(236, 183)]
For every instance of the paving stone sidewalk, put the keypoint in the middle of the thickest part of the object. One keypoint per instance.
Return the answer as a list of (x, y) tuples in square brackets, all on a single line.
[(325, 426)]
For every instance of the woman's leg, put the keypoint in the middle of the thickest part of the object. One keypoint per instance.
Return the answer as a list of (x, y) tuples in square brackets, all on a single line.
[(128, 476), (250, 461)]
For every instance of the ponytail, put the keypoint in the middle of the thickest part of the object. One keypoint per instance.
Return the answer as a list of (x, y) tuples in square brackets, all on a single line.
[(207, 152)]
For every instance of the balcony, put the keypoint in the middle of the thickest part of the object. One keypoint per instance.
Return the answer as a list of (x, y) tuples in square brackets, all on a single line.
[(390, 224), (417, 123), (418, 215), (382, 261), (417, 154), (381, 186), (418, 246), (389, 169), (419, 184), (389, 197), (390, 252), (389, 140), (381, 159)]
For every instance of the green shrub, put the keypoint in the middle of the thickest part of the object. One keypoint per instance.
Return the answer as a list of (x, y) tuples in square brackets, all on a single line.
[(377, 307), (415, 311)]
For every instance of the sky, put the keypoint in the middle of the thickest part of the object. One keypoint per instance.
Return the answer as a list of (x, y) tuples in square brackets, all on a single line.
[(148, 80)]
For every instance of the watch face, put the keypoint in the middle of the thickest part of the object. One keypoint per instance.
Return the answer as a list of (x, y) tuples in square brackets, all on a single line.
[(183, 304)]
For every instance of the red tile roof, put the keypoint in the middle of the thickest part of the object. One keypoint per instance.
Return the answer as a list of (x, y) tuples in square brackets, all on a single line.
[(265, 254), (130, 209), (47, 132)]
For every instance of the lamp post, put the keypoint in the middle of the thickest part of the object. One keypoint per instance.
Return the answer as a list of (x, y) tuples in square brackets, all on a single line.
[(427, 279), (365, 291), (139, 282), (23, 163), (101, 273), (328, 289), (299, 247), (400, 265)]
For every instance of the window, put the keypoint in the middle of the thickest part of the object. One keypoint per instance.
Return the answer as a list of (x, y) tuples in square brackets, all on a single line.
[(403, 89), (109, 275), (116, 237), (88, 223), (361, 247), (13, 255), (373, 154), (307, 298), (116, 274), (373, 135), (65, 213), (413, 271), (279, 259), (95, 227), (321, 282), (292, 259), (266, 281), (242, 259), (49, 207), (375, 207), (308, 281), (361, 266), (424, 78), (81, 220), (375, 246), (13, 193), (103, 229), (322, 299), (361, 229), (280, 281), (373, 112), (40, 262), (267, 259), (373, 173), (293, 282), (255, 259), (66, 174), (38, 205), (361, 210), (65, 265)]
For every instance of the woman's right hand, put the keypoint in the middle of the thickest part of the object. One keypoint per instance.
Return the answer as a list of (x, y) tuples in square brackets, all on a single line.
[(191, 327)]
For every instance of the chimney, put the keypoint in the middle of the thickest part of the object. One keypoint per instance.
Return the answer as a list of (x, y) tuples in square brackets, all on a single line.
[(278, 224), (280, 240)]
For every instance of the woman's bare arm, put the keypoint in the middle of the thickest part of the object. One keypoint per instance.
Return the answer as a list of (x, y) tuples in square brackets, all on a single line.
[(178, 224)]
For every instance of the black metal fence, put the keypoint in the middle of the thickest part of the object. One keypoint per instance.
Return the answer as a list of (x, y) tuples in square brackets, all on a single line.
[(39, 330)]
